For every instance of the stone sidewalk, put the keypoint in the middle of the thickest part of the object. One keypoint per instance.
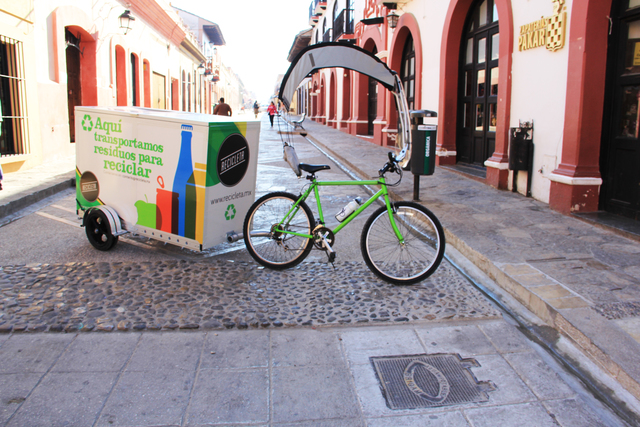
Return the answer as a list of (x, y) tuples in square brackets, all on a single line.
[(282, 378), (580, 279), (24, 188)]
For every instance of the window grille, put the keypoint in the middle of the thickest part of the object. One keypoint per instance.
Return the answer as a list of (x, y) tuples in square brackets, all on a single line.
[(14, 132)]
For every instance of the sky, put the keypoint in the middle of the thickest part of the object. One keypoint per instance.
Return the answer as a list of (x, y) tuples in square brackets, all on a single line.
[(258, 33)]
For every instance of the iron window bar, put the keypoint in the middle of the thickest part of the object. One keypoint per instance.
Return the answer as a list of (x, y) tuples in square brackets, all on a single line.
[(13, 117)]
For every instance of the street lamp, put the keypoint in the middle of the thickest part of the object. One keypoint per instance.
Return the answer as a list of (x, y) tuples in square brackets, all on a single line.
[(201, 68), (392, 18), (126, 21)]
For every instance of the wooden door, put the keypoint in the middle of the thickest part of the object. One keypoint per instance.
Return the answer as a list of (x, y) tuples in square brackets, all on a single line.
[(621, 152), (478, 85), (159, 91), (74, 87)]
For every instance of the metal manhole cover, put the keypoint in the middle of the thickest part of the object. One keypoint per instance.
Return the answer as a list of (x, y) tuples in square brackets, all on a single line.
[(429, 380)]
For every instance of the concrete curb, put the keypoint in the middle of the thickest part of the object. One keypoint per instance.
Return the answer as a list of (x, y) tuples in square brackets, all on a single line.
[(513, 279), (39, 193)]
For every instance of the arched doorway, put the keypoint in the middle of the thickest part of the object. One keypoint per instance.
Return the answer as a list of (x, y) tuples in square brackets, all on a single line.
[(478, 85), (74, 83), (621, 135), (405, 57), (121, 76), (135, 85), (372, 100), (77, 60)]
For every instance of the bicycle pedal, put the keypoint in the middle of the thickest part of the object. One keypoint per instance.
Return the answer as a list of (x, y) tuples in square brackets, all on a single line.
[(332, 257)]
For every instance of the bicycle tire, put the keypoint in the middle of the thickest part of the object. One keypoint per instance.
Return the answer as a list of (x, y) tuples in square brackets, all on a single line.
[(276, 250), (421, 253)]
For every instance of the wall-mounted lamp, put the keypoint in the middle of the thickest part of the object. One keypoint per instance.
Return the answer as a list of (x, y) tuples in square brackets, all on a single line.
[(201, 69), (392, 19), (126, 21)]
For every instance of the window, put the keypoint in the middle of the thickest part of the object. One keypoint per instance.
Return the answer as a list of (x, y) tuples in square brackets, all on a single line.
[(135, 86), (14, 134)]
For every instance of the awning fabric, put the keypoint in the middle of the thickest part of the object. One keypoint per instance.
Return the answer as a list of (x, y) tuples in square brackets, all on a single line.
[(333, 55)]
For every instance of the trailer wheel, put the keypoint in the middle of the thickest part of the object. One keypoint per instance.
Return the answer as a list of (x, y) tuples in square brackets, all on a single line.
[(98, 230)]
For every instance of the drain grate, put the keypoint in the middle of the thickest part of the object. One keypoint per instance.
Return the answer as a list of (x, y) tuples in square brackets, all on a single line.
[(429, 380)]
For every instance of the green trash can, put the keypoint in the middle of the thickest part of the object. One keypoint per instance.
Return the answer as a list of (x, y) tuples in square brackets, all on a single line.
[(423, 143)]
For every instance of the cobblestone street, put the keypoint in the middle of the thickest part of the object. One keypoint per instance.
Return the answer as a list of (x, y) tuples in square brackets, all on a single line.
[(168, 295)]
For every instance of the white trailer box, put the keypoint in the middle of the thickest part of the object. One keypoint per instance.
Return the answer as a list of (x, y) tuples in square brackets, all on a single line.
[(183, 178)]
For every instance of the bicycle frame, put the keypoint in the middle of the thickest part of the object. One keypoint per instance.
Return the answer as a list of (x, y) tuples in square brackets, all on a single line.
[(314, 187)]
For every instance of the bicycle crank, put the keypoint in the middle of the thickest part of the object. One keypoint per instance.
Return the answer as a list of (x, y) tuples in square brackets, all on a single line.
[(323, 238)]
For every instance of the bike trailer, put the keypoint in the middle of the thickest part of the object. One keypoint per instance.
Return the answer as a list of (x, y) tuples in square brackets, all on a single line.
[(183, 178)]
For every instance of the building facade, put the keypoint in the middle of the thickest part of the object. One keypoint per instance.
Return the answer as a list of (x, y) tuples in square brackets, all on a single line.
[(559, 72), (58, 54)]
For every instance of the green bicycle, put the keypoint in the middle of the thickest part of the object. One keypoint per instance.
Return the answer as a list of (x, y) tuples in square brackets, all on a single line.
[(402, 242)]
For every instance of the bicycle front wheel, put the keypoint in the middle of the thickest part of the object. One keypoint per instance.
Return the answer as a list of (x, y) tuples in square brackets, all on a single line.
[(406, 262), (266, 231)]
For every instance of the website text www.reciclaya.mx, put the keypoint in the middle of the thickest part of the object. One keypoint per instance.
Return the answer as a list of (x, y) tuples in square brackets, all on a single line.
[(230, 197)]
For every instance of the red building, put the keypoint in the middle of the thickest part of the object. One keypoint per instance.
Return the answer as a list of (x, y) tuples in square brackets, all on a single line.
[(569, 67)]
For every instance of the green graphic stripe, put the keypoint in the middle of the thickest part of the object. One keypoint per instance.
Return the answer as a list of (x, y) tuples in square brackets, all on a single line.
[(81, 202), (218, 132)]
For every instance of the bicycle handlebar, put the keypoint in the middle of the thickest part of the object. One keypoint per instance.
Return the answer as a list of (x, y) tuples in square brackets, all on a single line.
[(390, 166)]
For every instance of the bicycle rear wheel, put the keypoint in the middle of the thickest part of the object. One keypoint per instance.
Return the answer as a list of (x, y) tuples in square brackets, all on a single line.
[(407, 263), (264, 238)]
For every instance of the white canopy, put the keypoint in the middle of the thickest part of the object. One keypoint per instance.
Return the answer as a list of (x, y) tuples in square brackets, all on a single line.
[(330, 55)]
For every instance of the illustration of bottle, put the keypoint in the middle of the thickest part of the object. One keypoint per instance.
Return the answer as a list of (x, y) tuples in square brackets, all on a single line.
[(349, 209), (194, 228), (184, 170), (167, 216)]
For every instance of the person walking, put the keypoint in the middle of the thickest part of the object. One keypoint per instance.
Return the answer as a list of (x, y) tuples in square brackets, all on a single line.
[(222, 109), (256, 108), (272, 110)]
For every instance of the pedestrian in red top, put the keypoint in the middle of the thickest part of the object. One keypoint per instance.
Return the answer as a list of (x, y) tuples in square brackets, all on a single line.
[(272, 110)]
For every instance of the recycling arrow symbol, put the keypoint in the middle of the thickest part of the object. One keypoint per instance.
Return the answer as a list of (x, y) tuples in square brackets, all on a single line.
[(230, 213), (87, 123)]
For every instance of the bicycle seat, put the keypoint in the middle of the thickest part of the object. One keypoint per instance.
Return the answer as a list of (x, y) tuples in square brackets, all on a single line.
[(313, 168)]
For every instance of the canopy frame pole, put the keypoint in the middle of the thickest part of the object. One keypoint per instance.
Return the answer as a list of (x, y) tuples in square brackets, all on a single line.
[(405, 131)]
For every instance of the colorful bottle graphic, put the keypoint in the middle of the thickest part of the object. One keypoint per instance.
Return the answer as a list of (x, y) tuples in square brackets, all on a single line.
[(167, 215), (199, 180), (190, 209), (194, 211), (181, 179)]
